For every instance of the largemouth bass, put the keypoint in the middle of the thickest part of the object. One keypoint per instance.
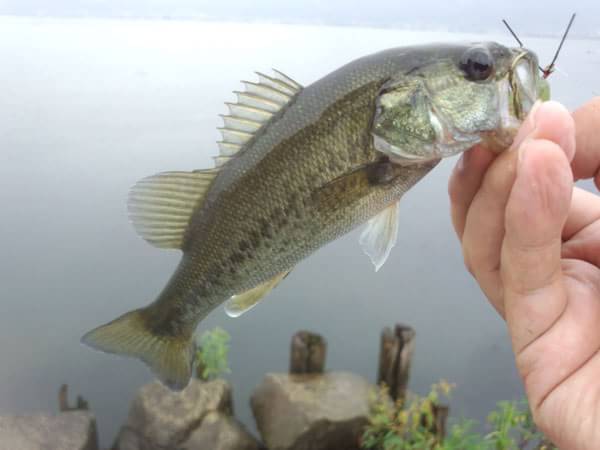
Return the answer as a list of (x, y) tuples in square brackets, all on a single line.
[(299, 167)]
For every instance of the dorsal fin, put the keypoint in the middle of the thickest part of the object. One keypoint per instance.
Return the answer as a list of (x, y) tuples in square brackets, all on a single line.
[(160, 206), (255, 106)]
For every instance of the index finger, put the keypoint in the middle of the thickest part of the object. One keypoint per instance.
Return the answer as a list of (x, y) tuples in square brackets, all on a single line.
[(586, 163)]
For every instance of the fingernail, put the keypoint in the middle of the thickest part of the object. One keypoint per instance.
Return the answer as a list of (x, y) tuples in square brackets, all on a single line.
[(528, 127), (566, 139)]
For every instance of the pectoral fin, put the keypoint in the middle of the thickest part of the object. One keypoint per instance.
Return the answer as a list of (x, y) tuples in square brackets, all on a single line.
[(239, 304), (380, 235)]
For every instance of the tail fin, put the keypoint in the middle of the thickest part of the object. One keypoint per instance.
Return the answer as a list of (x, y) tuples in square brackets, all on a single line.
[(169, 357)]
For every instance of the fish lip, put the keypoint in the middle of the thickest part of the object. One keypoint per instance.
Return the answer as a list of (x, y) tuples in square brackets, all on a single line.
[(509, 123), (516, 95), (522, 82)]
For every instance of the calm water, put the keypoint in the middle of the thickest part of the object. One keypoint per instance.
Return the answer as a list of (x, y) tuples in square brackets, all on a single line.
[(89, 107)]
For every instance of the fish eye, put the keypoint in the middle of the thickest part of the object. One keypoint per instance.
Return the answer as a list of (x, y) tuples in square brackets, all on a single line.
[(477, 64)]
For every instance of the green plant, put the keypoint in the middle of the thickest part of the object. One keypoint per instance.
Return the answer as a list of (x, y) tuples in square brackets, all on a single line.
[(405, 425), (212, 352), (461, 436), (513, 428), (416, 424)]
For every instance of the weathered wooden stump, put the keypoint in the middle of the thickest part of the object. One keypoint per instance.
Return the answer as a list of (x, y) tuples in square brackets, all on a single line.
[(438, 427), (63, 401), (307, 353), (395, 355)]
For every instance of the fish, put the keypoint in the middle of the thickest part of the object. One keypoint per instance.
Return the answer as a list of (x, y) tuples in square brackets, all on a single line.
[(299, 167)]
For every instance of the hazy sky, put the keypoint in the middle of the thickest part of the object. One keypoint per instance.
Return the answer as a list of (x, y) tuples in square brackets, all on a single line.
[(547, 17)]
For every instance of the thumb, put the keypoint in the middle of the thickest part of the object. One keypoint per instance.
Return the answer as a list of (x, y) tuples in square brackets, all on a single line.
[(536, 212)]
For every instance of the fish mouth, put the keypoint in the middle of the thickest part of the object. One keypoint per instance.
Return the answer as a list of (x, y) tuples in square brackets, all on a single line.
[(522, 80), (516, 96)]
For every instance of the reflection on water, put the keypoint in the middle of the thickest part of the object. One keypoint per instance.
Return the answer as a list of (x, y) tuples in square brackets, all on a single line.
[(89, 107)]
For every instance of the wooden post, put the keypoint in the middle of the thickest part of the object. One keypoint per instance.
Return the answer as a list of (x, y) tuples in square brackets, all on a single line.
[(395, 355), (307, 353), (63, 401), (440, 414), (436, 422)]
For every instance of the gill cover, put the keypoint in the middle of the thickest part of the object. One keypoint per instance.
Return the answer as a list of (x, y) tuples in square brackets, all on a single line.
[(405, 120)]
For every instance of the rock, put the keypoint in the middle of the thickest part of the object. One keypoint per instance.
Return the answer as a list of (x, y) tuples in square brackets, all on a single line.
[(311, 412), (74, 430), (220, 432), (162, 419)]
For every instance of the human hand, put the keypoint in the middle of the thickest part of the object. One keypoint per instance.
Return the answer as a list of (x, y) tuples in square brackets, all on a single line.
[(532, 242)]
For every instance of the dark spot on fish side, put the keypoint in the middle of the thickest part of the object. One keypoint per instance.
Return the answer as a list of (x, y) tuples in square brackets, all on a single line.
[(266, 229), (201, 291), (282, 220), (331, 165), (244, 245), (254, 237), (237, 257), (381, 172)]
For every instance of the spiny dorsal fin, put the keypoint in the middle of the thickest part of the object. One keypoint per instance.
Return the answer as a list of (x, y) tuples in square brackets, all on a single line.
[(380, 235), (160, 206), (287, 80), (255, 106), (239, 304)]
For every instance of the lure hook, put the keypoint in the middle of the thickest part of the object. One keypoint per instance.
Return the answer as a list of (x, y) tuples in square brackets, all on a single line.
[(549, 69)]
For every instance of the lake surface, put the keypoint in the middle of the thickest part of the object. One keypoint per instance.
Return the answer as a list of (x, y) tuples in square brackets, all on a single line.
[(88, 107)]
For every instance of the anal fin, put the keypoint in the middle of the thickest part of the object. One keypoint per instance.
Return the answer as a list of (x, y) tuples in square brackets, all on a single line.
[(239, 304)]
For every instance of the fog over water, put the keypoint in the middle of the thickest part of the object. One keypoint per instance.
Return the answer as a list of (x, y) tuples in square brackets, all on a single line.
[(88, 107), (530, 17)]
